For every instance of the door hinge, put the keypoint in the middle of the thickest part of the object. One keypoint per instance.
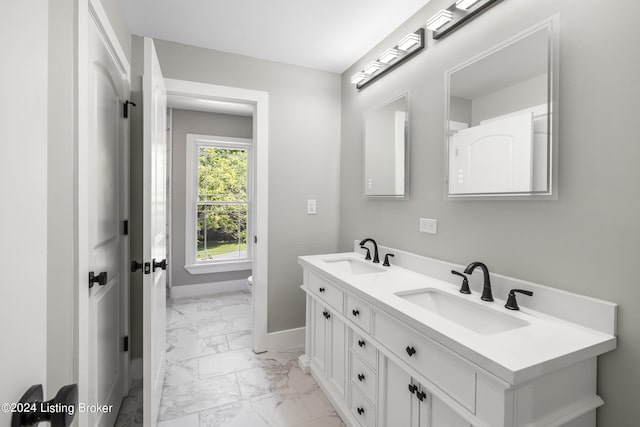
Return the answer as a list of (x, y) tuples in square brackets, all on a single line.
[(125, 112), (125, 227), (125, 344)]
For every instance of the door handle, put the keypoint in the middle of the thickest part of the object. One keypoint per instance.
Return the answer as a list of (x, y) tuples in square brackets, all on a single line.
[(100, 279), (421, 395), (162, 264), (135, 266), (59, 411)]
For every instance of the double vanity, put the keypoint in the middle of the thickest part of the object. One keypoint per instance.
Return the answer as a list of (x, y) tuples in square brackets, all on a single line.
[(402, 346)]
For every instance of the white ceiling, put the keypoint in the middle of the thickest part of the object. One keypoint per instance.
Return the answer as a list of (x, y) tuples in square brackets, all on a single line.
[(327, 35)]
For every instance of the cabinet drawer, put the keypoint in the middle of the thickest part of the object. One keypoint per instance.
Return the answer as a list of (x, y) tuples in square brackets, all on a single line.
[(359, 313), (361, 409), (363, 377), (365, 349), (435, 362), (326, 292)]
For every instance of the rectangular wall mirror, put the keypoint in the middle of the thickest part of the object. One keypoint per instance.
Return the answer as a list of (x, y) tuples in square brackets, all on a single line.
[(386, 141), (499, 129)]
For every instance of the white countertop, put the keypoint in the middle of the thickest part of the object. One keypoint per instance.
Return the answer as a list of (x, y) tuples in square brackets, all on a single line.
[(544, 345)]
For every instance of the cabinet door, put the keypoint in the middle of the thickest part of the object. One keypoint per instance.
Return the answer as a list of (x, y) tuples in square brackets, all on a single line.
[(441, 415), (397, 403), (337, 354), (318, 338)]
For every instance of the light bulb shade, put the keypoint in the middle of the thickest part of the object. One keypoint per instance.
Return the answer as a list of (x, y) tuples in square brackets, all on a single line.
[(358, 78), (438, 20), (389, 56), (408, 42), (373, 68), (465, 4)]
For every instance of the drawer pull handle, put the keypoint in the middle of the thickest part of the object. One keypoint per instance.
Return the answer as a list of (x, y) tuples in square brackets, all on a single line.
[(361, 343), (413, 388), (321, 290), (361, 411), (361, 377), (421, 395), (410, 351), (355, 312)]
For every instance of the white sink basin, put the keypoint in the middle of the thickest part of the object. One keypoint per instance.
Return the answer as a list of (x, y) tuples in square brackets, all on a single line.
[(467, 314), (353, 266)]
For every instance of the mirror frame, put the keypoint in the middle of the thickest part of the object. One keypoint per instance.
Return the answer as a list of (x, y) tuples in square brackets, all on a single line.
[(407, 146), (551, 24)]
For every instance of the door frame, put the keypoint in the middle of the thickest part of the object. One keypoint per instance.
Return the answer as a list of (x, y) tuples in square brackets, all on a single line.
[(88, 10), (260, 220)]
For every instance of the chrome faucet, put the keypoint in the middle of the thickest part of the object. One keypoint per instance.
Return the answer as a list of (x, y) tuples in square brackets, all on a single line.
[(376, 259), (486, 289)]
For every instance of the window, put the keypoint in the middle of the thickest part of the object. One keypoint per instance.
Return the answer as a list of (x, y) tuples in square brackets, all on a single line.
[(219, 190)]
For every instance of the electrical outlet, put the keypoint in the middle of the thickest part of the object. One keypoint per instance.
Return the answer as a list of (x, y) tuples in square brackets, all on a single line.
[(311, 207), (428, 225)]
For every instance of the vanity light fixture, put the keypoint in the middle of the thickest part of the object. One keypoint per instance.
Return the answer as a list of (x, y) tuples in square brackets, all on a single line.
[(459, 13), (358, 78), (409, 42), (373, 68), (465, 4), (438, 20), (389, 56), (407, 48)]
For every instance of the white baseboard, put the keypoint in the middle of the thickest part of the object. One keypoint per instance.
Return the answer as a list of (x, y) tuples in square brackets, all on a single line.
[(135, 369), (202, 289), (285, 339)]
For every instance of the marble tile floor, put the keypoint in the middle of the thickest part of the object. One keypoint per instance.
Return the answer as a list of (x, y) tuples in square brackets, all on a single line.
[(213, 378)]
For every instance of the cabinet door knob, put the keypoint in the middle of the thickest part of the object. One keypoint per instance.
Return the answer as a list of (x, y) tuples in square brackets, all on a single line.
[(361, 410), (412, 388), (410, 351), (361, 377), (355, 312), (321, 290), (361, 343), (326, 314), (421, 395)]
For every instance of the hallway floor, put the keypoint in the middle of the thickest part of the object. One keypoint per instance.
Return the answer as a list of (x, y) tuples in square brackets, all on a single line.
[(214, 379)]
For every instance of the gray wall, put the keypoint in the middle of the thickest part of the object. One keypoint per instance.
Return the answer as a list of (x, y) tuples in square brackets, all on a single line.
[(304, 144), (202, 123), (587, 240)]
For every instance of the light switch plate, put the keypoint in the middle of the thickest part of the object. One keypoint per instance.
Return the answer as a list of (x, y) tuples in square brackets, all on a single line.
[(428, 226), (311, 207)]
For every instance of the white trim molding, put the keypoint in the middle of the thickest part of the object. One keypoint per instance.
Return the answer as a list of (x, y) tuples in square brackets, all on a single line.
[(203, 289)]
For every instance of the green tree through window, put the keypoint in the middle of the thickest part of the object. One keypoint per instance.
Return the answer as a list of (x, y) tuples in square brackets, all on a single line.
[(222, 206)]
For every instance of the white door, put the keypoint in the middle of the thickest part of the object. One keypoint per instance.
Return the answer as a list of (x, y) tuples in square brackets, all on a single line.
[(154, 249), (493, 157), (318, 338), (105, 145)]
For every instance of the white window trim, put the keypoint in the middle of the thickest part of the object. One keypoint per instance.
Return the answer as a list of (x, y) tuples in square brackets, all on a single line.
[(192, 265)]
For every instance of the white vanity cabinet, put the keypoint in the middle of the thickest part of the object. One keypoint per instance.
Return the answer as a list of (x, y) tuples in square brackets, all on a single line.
[(381, 367), (366, 387), (327, 347)]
